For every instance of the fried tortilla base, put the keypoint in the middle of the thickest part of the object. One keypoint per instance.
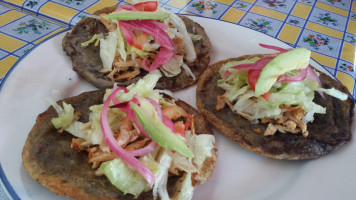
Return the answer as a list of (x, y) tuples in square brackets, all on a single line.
[(326, 133), (86, 60), (49, 159)]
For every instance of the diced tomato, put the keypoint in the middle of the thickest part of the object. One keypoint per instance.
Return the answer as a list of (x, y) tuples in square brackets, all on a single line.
[(252, 76), (188, 122), (149, 6), (179, 128), (140, 39)]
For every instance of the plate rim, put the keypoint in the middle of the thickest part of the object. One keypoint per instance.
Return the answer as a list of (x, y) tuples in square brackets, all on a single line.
[(7, 185)]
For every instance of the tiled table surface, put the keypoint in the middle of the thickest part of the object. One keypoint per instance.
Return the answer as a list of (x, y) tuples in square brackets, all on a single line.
[(326, 27)]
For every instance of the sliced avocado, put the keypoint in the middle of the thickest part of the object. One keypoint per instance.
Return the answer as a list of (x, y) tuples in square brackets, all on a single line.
[(157, 130), (137, 15), (297, 58)]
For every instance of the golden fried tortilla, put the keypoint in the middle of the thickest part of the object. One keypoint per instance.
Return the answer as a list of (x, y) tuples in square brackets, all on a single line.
[(326, 133), (49, 159)]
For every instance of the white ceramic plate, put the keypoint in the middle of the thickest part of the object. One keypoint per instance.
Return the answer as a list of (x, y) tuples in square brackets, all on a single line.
[(239, 174)]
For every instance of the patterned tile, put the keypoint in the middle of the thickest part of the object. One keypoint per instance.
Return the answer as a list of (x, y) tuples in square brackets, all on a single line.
[(241, 5), (296, 21), (308, 2), (78, 17), (320, 43), (343, 4), (353, 16), (279, 5), (75, 4), (3, 194), (22, 51), (346, 67), (3, 9), (3, 54), (350, 38), (328, 19), (207, 8), (30, 28), (262, 24), (171, 8), (34, 5)]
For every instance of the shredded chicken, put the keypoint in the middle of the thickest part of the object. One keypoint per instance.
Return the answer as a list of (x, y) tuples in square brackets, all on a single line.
[(290, 121)]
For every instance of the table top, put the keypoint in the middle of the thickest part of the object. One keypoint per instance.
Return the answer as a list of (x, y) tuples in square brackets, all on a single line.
[(326, 27)]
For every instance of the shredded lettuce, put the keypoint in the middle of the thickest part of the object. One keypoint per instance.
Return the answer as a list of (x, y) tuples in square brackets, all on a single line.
[(238, 91), (108, 49), (125, 178), (95, 39), (65, 115), (160, 186), (188, 43), (172, 67), (202, 145), (187, 189)]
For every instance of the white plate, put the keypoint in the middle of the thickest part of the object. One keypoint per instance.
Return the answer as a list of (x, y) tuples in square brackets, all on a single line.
[(239, 174)]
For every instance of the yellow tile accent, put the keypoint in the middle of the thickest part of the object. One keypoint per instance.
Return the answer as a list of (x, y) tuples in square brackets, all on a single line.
[(228, 2), (51, 9), (47, 36), (353, 8), (10, 16), (301, 10), (332, 9), (233, 15), (6, 64), (289, 33), (346, 80), (249, 1), (9, 43), (324, 60), (17, 2), (101, 4), (186, 13), (324, 30), (269, 13), (178, 3), (348, 52), (351, 27)]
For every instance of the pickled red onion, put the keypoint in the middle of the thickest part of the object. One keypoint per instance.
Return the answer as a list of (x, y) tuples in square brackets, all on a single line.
[(313, 76), (128, 158), (157, 30), (273, 47), (299, 77), (145, 150)]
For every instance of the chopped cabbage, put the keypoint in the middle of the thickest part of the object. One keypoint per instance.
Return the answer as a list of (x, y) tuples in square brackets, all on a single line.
[(160, 186), (187, 189), (172, 67), (125, 178), (65, 115), (108, 49), (188, 43)]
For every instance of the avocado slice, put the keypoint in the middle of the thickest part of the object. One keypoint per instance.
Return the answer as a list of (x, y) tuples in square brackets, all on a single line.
[(297, 58), (137, 15), (157, 130)]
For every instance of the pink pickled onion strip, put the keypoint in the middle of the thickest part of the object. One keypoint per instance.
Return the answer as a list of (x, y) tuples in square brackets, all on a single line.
[(129, 36), (273, 47), (145, 150), (162, 57), (313, 76), (258, 65), (155, 104), (227, 73), (299, 77), (115, 147), (168, 123), (125, 7)]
